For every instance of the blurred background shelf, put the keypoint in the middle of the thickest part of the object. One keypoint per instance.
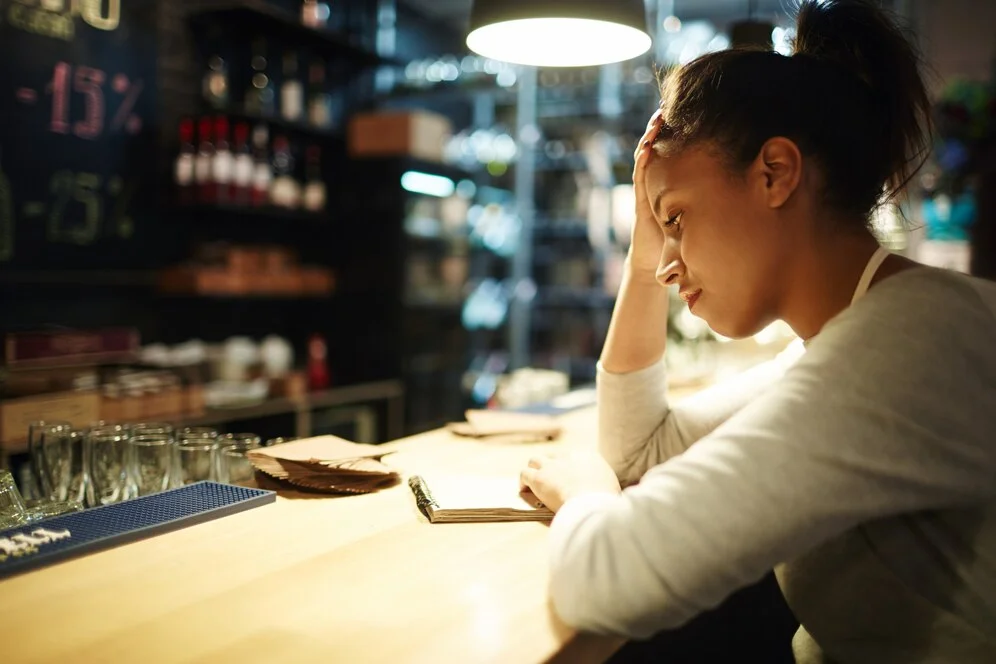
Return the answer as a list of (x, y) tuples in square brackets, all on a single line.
[(505, 259), (279, 124), (258, 16), (79, 278), (237, 213)]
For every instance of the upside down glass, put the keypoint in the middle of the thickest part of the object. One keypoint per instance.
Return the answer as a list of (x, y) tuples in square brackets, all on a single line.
[(151, 429), (241, 439), (56, 453), (104, 460), (12, 512), (189, 433), (196, 460), (43, 434), (234, 466), (149, 463)]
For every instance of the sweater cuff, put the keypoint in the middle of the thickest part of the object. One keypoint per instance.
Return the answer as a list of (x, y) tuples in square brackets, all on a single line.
[(655, 374)]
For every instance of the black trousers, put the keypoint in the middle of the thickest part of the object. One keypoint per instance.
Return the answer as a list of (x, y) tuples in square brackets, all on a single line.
[(752, 625)]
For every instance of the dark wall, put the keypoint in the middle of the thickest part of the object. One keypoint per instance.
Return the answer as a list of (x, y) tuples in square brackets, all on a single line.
[(420, 37), (984, 230)]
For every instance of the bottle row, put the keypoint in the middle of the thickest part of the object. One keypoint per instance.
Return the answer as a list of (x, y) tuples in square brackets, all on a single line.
[(449, 69), (261, 97), (246, 170)]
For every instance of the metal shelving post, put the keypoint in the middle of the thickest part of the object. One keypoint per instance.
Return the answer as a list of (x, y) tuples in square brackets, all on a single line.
[(527, 134)]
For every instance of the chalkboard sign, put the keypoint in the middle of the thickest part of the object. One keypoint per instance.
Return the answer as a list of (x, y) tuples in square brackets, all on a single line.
[(78, 131)]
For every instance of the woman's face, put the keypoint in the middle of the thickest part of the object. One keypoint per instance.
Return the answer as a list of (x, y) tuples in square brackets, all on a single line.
[(722, 242)]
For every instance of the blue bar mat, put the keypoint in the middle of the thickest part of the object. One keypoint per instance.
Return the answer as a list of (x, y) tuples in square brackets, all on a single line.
[(70, 535)]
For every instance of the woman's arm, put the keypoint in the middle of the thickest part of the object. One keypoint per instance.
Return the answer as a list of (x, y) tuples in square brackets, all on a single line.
[(888, 413), (638, 330), (638, 429)]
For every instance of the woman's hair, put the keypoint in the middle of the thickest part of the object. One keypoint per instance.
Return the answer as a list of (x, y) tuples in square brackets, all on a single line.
[(851, 97)]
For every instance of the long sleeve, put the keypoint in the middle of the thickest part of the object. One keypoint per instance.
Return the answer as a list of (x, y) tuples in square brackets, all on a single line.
[(638, 429), (889, 412)]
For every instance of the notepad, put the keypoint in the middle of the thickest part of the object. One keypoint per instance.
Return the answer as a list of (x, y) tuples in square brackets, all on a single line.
[(475, 499)]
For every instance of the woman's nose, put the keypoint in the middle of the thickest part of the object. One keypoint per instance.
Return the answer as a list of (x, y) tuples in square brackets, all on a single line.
[(670, 269)]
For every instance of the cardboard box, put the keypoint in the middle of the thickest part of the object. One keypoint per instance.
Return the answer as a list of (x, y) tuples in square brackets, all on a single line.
[(171, 400), (131, 407), (316, 280), (292, 386), (111, 407), (202, 281), (194, 400), (78, 408), (152, 406), (418, 134), (70, 348)]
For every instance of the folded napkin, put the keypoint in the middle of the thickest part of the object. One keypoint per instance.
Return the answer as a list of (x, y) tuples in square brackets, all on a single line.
[(327, 464), (506, 426)]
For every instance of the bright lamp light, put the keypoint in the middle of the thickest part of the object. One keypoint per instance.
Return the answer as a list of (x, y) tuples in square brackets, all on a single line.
[(559, 33)]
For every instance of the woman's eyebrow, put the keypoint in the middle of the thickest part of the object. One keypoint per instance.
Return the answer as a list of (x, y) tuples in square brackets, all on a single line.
[(657, 201)]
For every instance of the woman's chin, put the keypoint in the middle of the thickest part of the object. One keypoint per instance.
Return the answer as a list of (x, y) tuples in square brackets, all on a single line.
[(731, 329)]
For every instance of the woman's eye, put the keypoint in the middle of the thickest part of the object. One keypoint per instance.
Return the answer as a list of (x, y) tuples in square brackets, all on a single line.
[(673, 221)]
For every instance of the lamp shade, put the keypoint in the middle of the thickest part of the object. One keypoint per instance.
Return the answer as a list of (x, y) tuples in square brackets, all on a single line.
[(559, 33)]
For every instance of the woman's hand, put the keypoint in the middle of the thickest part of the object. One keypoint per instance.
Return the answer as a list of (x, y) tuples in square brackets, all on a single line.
[(555, 480), (648, 240)]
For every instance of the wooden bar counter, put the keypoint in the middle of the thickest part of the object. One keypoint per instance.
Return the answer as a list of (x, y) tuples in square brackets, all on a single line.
[(315, 579)]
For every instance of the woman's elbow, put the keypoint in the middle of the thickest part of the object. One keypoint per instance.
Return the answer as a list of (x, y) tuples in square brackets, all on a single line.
[(586, 607)]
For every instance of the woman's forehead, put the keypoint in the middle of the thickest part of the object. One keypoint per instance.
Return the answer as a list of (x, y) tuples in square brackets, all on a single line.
[(676, 169)]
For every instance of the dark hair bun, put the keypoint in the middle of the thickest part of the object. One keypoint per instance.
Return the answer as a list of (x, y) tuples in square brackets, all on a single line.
[(862, 38)]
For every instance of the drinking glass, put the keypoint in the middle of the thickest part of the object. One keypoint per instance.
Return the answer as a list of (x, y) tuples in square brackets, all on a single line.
[(189, 433), (161, 429), (12, 512), (234, 466), (102, 424), (56, 452), (152, 428), (104, 461), (50, 509), (72, 479), (149, 463), (44, 441), (197, 460), (243, 439), (204, 433)]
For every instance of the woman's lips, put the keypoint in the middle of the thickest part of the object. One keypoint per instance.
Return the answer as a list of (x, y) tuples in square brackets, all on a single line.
[(691, 297)]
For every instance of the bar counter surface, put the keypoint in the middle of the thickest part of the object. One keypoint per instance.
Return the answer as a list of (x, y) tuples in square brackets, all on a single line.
[(351, 579)]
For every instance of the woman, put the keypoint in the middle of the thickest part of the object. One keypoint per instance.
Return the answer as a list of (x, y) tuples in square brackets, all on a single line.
[(864, 471)]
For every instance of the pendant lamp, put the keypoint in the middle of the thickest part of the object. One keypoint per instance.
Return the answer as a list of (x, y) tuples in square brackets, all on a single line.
[(559, 33), (751, 33)]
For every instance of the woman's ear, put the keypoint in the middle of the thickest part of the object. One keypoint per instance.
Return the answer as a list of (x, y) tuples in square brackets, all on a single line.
[(779, 165)]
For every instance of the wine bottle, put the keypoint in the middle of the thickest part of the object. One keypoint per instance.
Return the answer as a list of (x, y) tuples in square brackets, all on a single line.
[(291, 91), (222, 164), (183, 173), (319, 100), (314, 189), (242, 167), (262, 171), (203, 167), (285, 191)]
